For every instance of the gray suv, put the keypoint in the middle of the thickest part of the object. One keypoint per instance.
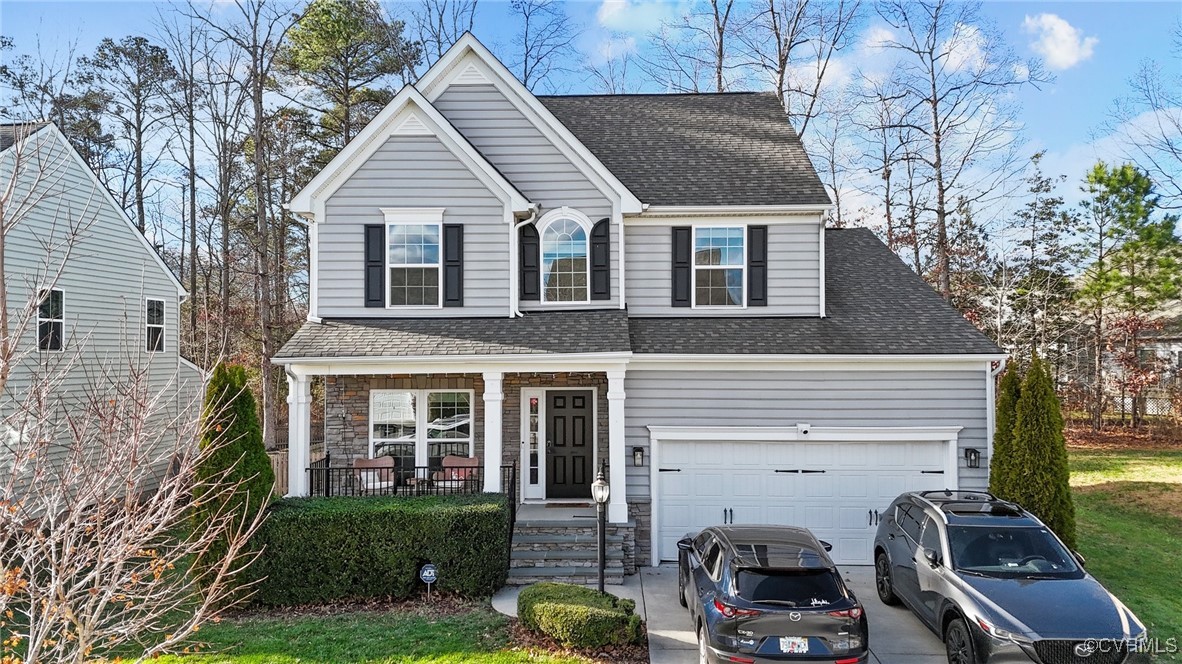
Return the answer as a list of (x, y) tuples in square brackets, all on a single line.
[(997, 585)]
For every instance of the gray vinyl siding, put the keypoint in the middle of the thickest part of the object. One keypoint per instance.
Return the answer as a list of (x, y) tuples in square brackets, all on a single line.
[(413, 171), (529, 160), (71, 231), (820, 398), (794, 255)]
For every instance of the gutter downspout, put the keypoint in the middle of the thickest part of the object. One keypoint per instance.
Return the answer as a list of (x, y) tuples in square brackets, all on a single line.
[(514, 302)]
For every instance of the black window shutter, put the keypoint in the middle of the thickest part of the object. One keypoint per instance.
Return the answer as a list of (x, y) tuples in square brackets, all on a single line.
[(530, 247), (601, 267), (757, 266), (682, 265), (375, 265), (453, 265)]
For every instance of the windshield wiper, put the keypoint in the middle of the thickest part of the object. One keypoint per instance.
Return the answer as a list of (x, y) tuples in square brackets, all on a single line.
[(973, 572), (780, 602), (1041, 576)]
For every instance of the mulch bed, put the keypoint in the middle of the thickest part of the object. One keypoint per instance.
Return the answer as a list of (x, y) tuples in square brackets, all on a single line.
[(527, 641), (441, 606), (1118, 438)]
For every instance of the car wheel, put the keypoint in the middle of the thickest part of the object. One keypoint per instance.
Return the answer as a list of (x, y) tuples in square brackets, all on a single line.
[(958, 642), (681, 586), (703, 646), (882, 580)]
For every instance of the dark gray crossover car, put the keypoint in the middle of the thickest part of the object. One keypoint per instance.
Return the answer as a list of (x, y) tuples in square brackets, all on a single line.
[(997, 585), (768, 594)]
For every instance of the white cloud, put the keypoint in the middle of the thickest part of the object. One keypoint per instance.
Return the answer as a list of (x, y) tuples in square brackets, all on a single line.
[(613, 47), (634, 16), (1062, 44), (877, 37), (966, 48)]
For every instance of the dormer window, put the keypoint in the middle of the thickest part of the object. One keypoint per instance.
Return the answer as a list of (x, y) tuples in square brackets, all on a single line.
[(565, 248), (720, 266)]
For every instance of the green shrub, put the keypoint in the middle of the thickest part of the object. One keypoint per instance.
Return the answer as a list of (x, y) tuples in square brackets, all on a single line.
[(576, 616), (1040, 455), (1002, 471), (330, 549), (230, 425)]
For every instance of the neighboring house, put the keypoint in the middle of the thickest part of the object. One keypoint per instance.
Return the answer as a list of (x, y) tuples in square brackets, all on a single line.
[(90, 296), (642, 282)]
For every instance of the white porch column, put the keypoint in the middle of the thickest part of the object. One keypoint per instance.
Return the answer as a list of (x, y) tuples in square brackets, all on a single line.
[(493, 398), (299, 434), (617, 508)]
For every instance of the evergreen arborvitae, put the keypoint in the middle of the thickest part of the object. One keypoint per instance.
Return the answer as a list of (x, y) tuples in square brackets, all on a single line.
[(1040, 455), (1002, 472), (231, 426)]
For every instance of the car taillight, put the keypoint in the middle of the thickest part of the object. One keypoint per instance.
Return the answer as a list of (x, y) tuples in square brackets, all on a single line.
[(739, 660), (852, 660), (729, 611), (852, 614)]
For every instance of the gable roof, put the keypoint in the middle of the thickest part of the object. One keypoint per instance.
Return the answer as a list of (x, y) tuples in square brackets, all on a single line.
[(11, 132), (874, 305), (696, 149), (409, 113)]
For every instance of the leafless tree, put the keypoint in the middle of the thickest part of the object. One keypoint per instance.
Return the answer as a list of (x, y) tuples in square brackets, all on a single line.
[(611, 75), (955, 68), (698, 51), (793, 42), (542, 46), (835, 153), (440, 23)]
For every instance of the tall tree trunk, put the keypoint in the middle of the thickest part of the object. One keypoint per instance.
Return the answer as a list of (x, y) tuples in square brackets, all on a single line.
[(943, 267), (263, 260), (192, 121)]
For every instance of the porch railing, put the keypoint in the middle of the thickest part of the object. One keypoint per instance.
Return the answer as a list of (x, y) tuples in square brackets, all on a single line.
[(326, 479)]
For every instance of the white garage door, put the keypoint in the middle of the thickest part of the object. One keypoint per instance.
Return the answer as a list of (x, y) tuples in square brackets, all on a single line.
[(832, 488)]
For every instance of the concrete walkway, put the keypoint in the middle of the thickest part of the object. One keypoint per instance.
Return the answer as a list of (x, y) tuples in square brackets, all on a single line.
[(896, 636)]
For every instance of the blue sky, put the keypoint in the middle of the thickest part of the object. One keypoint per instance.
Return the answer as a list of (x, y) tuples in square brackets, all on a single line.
[(1091, 47)]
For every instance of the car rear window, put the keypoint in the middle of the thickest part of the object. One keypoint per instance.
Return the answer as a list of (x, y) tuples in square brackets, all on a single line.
[(798, 588)]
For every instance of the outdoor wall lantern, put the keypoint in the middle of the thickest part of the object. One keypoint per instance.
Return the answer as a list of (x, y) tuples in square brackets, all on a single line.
[(601, 492), (972, 457), (638, 456)]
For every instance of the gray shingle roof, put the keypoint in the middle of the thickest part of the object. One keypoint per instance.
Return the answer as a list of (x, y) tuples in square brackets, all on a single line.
[(695, 149), (875, 305), (10, 132), (534, 334)]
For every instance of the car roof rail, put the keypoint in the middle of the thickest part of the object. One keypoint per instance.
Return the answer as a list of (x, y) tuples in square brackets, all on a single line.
[(961, 495)]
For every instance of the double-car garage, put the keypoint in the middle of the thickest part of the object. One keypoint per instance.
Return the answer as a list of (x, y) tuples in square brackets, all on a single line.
[(836, 482)]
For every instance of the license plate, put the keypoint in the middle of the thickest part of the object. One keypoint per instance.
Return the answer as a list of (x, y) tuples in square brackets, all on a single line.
[(794, 644)]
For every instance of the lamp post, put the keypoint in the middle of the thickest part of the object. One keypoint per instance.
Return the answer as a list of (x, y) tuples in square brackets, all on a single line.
[(601, 492)]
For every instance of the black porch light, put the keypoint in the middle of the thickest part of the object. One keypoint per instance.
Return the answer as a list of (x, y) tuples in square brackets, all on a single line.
[(601, 492)]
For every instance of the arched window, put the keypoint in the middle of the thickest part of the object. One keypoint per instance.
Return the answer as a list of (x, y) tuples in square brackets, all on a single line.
[(564, 257)]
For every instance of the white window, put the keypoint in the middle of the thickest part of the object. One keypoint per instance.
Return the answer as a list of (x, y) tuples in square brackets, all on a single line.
[(154, 325), (720, 266), (401, 427), (51, 320), (565, 248), (413, 265)]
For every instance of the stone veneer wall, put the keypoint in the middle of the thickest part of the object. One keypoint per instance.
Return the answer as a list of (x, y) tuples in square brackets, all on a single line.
[(641, 514), (346, 398), (511, 424)]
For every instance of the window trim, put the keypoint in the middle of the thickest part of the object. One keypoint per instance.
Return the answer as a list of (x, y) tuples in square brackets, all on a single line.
[(410, 219), (694, 267), (163, 326), (547, 220), (422, 397), (41, 294)]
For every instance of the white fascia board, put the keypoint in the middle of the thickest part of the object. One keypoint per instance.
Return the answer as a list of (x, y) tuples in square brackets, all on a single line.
[(817, 434), (106, 194), (311, 199), (727, 210), (806, 362), (335, 366), (436, 79)]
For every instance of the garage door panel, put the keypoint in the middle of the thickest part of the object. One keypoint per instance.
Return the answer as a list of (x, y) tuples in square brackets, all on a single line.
[(852, 485), (746, 455), (709, 484), (747, 484)]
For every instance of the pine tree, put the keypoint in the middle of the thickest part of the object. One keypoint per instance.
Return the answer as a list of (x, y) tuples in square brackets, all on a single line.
[(1042, 483), (231, 424), (1002, 470)]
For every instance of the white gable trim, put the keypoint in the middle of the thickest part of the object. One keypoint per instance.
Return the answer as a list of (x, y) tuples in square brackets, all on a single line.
[(468, 59), (119, 211), (405, 113)]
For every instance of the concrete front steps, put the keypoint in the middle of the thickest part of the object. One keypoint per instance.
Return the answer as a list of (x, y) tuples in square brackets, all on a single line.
[(566, 551)]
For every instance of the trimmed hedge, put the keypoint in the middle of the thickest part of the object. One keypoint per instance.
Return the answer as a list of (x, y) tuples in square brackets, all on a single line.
[(578, 617), (329, 549)]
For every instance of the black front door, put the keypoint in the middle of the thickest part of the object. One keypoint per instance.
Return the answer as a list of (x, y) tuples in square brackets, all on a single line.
[(569, 444)]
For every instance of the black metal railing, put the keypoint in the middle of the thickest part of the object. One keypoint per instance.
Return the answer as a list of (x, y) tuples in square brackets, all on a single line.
[(326, 479)]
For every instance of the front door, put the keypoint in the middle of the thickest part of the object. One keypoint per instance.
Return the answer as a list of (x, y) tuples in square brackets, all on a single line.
[(569, 444)]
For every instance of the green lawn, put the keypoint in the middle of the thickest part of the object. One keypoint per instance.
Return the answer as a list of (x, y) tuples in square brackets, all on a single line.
[(1129, 515), (479, 636)]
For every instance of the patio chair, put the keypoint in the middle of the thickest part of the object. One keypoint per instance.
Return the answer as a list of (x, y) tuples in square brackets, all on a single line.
[(375, 475), (459, 474)]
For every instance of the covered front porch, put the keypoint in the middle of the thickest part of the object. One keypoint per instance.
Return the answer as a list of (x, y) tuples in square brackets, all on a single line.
[(536, 429)]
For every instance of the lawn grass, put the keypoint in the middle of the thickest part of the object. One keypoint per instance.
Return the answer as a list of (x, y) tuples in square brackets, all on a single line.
[(1129, 517), (479, 636)]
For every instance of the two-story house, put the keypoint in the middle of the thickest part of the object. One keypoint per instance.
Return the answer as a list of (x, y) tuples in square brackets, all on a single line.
[(89, 300), (637, 282)]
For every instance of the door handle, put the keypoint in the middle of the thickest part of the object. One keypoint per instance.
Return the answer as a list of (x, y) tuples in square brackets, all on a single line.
[(732, 515), (877, 518), (870, 517), (724, 515)]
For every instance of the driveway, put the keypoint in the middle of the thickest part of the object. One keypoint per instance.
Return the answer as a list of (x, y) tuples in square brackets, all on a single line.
[(896, 636)]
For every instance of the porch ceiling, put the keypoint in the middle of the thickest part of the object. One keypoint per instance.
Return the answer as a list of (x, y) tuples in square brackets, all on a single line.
[(541, 333)]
